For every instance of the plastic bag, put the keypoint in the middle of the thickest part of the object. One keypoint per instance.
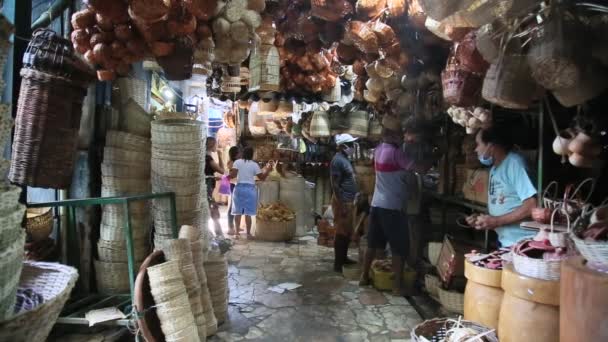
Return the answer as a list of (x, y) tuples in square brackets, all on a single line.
[(225, 185)]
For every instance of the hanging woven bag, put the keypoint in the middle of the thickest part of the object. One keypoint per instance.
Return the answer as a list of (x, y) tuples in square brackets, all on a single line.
[(319, 125), (441, 9), (461, 87), (358, 123), (557, 51)]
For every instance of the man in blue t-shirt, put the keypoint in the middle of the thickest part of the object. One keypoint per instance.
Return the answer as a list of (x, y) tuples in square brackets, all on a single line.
[(511, 191)]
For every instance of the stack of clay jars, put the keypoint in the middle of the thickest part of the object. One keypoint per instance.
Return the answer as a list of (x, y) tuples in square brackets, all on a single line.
[(125, 172)]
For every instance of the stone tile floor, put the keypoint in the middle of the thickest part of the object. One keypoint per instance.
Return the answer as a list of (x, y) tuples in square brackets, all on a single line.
[(327, 307)]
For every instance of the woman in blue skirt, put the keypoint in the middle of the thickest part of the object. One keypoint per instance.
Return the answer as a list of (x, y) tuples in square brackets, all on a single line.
[(245, 196)]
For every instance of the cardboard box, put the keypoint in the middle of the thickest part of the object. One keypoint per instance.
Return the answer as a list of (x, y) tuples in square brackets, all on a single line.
[(475, 187)]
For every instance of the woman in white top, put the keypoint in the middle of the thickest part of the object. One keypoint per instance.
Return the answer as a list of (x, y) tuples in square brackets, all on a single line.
[(245, 197)]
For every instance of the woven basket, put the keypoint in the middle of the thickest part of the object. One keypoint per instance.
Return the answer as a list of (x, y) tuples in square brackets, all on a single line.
[(537, 268), (451, 300), (432, 284), (11, 258), (434, 249), (264, 69), (557, 51), (131, 88), (127, 141), (39, 223), (116, 250), (124, 171), (177, 169), (54, 282), (112, 277), (467, 54), (136, 209), (175, 126), (126, 184), (135, 119), (117, 233), (486, 42), (596, 252), (275, 231), (460, 87), (181, 186), (508, 82), (46, 130), (436, 330), (593, 81), (358, 123), (440, 9), (319, 126), (126, 157), (10, 196)]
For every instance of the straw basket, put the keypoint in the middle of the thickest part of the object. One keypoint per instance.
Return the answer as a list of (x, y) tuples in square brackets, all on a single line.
[(117, 233), (436, 330), (451, 300), (181, 186), (264, 69), (432, 284), (39, 223), (509, 83), (132, 88), (275, 231), (127, 141), (231, 84), (135, 119), (112, 277), (11, 258), (358, 123), (440, 9), (593, 81), (596, 252), (126, 184), (10, 196), (319, 126), (124, 156), (460, 87), (120, 170), (54, 282), (116, 250), (46, 130), (536, 268)]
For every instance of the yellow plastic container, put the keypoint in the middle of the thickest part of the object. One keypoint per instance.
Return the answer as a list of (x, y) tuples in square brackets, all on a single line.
[(383, 281)]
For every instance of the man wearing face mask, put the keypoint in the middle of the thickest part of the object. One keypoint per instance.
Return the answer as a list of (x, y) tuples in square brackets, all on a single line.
[(344, 186), (511, 191)]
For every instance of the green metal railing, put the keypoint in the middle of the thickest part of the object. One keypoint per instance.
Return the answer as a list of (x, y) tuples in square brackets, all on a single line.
[(74, 312)]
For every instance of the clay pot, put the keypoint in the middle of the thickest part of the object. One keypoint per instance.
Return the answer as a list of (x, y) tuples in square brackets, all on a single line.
[(562, 142)]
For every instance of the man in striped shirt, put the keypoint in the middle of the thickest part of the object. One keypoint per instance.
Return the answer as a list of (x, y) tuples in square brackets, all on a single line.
[(387, 220)]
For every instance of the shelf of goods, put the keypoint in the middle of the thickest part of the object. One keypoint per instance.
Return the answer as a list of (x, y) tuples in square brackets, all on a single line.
[(79, 304)]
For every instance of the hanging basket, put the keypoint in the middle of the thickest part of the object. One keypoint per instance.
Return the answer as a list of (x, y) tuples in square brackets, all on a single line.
[(557, 52), (264, 69), (358, 123), (178, 65), (487, 43), (46, 130), (319, 126), (460, 87), (508, 82), (593, 81), (440, 9), (467, 54)]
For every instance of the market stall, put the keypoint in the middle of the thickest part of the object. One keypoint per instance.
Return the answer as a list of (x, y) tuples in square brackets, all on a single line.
[(500, 101)]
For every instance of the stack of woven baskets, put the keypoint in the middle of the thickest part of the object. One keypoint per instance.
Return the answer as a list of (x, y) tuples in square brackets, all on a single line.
[(178, 150), (198, 256), (12, 241), (171, 300), (216, 269), (125, 171), (179, 250)]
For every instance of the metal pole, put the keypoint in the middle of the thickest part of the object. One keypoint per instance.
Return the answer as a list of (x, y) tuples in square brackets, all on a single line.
[(130, 253), (173, 208), (541, 151)]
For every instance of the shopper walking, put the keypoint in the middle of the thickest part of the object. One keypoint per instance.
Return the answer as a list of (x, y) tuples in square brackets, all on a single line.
[(245, 201), (211, 168), (344, 187), (234, 153), (388, 220), (511, 191)]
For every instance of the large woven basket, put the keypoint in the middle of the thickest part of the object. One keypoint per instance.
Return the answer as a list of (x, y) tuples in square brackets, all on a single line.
[(10, 196), (440, 9), (135, 119), (264, 69), (46, 130), (451, 300), (596, 252), (358, 123), (509, 83), (126, 157), (124, 171), (112, 277), (436, 329), (131, 88), (53, 282), (116, 250), (319, 126), (127, 141), (275, 231), (460, 87)]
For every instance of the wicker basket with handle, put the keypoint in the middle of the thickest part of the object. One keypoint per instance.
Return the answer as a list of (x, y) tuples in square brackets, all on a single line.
[(535, 268), (436, 330), (275, 231)]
